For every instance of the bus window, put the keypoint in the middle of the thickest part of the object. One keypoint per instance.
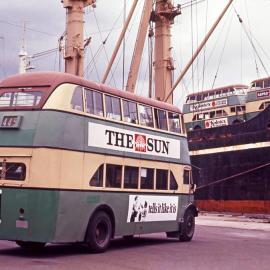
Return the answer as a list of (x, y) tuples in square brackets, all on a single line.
[(233, 110), (173, 183), (266, 83), (146, 116), (113, 175), (206, 115), (174, 122), (97, 178), (219, 113), (218, 94), (130, 112), (30, 98), (12, 171), (131, 177), (212, 114), (205, 96), (194, 117), (191, 99), (77, 99), (199, 98), (94, 103), (162, 179), (186, 177), (147, 178), (211, 95), (161, 119), (113, 109)]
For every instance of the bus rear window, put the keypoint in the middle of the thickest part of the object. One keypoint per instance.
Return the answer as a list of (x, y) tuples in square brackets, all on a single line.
[(12, 171), (27, 99)]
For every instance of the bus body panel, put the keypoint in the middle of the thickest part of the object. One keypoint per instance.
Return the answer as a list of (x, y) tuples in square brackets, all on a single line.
[(36, 222), (77, 207)]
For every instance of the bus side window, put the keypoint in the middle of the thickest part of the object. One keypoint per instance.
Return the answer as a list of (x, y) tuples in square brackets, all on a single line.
[(77, 99), (233, 110), (113, 175), (174, 122), (173, 183), (97, 178), (12, 171), (161, 119), (146, 116), (94, 104), (131, 177), (212, 114), (113, 109), (162, 179), (147, 178), (186, 177), (130, 112)]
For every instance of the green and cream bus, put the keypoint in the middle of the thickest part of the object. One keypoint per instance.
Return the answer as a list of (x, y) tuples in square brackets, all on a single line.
[(216, 107), (258, 97), (82, 162)]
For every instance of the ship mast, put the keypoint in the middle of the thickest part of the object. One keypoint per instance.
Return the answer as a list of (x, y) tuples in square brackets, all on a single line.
[(74, 49), (163, 17)]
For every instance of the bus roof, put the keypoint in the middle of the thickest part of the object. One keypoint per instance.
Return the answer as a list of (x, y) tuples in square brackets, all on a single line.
[(218, 89), (262, 79), (51, 80)]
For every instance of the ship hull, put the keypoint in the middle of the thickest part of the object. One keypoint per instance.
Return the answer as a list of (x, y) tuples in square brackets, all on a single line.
[(232, 166)]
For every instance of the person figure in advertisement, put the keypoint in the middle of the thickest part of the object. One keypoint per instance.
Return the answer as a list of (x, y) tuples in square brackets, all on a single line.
[(135, 209)]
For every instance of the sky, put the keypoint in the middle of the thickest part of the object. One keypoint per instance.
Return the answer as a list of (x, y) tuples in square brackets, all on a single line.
[(228, 58)]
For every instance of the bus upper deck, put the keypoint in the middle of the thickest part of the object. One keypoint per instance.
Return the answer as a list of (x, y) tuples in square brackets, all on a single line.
[(258, 97)]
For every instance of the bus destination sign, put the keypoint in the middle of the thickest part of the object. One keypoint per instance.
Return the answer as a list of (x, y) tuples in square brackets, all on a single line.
[(263, 94), (11, 121), (124, 140)]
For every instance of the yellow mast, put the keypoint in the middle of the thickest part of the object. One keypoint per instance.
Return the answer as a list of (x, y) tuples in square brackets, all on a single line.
[(163, 17), (74, 50)]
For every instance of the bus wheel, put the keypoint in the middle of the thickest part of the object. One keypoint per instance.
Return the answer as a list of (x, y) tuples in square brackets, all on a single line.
[(99, 232), (30, 245), (188, 226)]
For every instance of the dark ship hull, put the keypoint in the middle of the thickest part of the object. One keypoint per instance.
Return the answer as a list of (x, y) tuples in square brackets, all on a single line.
[(232, 166)]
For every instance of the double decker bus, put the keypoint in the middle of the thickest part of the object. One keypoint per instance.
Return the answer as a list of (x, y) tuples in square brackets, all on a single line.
[(258, 97), (83, 162), (215, 107)]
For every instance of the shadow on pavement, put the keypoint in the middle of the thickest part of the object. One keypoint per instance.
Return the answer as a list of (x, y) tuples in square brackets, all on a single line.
[(60, 250)]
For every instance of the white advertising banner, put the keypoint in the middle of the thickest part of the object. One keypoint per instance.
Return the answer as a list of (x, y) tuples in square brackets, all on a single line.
[(145, 208), (208, 105), (216, 123), (118, 139)]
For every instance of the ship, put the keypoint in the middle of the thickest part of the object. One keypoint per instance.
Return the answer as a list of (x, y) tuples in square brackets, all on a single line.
[(231, 162)]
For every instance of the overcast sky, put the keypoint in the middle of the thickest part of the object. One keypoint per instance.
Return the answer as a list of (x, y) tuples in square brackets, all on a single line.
[(228, 56)]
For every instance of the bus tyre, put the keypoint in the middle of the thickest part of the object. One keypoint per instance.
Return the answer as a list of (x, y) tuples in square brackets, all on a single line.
[(30, 245), (99, 232), (188, 226)]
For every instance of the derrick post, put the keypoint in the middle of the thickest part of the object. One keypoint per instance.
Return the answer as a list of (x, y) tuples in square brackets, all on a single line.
[(163, 17), (74, 47)]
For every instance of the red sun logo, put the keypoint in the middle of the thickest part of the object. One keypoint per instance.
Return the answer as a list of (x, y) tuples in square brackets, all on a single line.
[(140, 143)]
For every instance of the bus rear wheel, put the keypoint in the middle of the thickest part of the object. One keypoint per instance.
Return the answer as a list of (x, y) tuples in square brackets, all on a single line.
[(188, 226), (99, 232), (31, 245)]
